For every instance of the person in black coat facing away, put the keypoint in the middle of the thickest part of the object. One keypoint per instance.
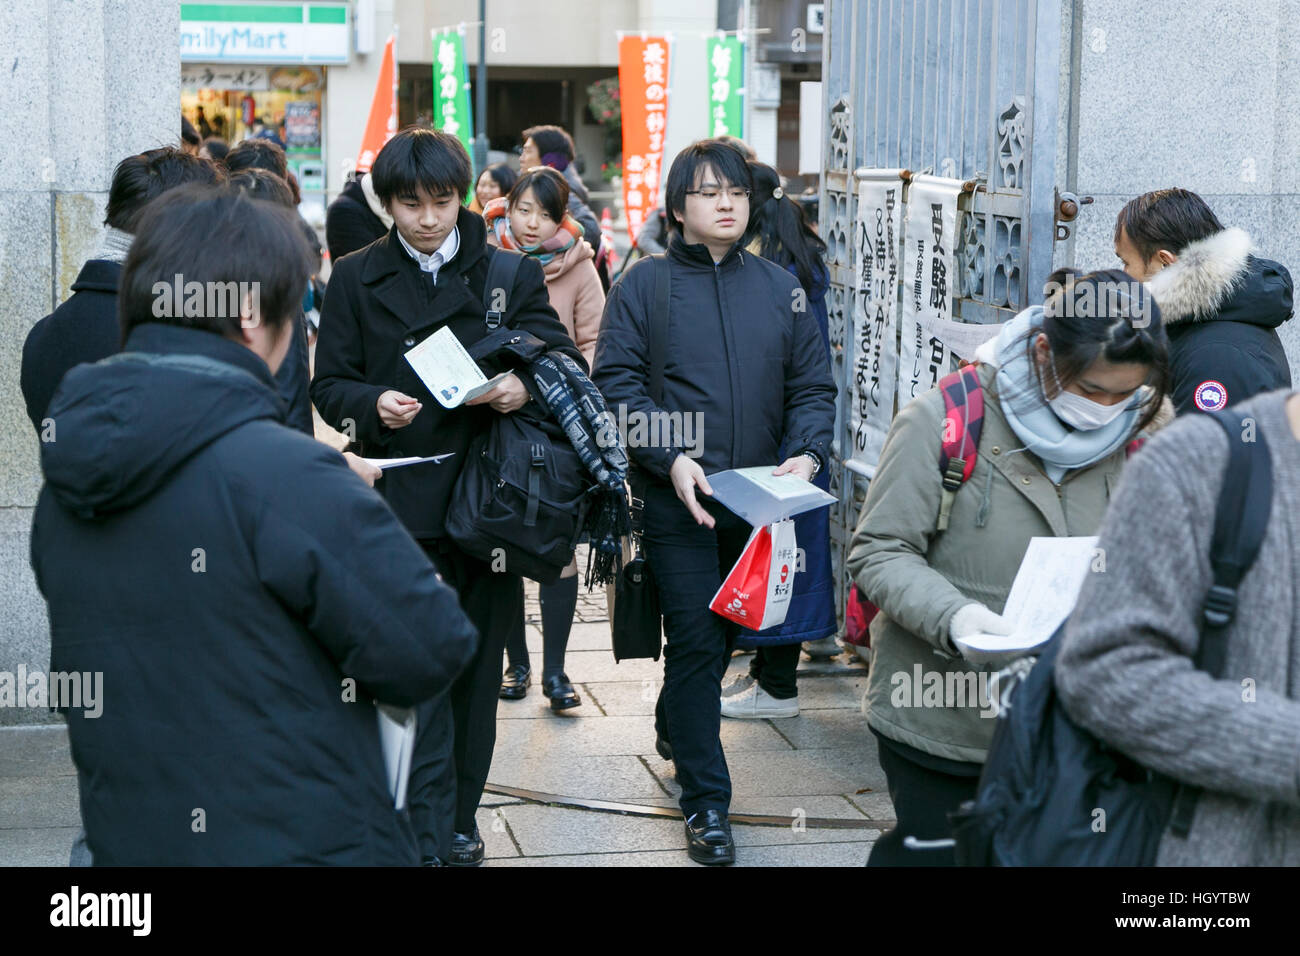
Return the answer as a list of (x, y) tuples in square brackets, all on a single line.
[(84, 328), (746, 364), (427, 274), (1221, 304), (355, 219), (242, 627)]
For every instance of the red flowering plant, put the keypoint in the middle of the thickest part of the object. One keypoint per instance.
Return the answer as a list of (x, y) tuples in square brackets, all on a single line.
[(603, 101)]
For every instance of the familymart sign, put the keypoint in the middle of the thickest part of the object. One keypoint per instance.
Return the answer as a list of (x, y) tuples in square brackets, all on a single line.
[(265, 32)]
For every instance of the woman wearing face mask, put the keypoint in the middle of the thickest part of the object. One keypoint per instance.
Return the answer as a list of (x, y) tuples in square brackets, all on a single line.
[(1066, 387), (532, 220)]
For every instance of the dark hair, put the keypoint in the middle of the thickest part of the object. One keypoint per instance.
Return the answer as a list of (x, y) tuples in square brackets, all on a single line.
[(218, 237), (262, 184), (548, 185), (258, 154), (737, 143), (1108, 315), (553, 141), (1057, 280), (1166, 219), (782, 231), (502, 175), (139, 179), (421, 159), (727, 162), (217, 148), (296, 192), (189, 135)]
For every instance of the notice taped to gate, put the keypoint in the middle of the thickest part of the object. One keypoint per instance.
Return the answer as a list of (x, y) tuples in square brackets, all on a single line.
[(875, 313), (929, 278)]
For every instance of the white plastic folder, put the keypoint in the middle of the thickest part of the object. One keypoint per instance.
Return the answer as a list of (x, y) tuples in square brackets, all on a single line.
[(397, 738), (1042, 596), (762, 498)]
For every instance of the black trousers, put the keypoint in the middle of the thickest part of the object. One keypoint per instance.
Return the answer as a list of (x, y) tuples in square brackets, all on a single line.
[(458, 730), (924, 793), (689, 562), (774, 668)]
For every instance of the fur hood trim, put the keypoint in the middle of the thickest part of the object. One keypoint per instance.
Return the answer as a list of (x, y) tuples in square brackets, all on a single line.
[(1193, 288)]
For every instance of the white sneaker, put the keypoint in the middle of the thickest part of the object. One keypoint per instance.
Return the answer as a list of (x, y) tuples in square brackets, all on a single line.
[(741, 682), (754, 703)]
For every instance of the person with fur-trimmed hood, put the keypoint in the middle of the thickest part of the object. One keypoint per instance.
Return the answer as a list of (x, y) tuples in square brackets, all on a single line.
[(1221, 304)]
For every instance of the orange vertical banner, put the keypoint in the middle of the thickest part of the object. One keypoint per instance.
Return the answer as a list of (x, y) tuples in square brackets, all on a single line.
[(382, 123), (643, 97)]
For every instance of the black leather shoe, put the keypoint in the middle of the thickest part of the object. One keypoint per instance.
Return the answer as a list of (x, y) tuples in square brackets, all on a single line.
[(663, 748), (515, 681), (708, 838), (466, 849), (432, 861), (561, 692)]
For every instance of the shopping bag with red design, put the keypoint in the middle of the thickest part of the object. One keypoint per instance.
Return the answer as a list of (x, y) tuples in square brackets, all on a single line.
[(756, 594)]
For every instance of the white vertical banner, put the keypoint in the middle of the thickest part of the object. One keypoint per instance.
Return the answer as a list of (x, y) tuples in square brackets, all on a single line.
[(875, 313), (929, 282)]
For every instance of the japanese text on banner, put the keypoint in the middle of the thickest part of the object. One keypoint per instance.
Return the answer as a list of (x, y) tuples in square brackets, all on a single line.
[(875, 314), (929, 274), (725, 57), (643, 92), (451, 112)]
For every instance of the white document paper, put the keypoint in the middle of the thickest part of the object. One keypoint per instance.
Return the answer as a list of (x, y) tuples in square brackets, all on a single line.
[(397, 738), (447, 370), (383, 464), (762, 498), (1042, 595)]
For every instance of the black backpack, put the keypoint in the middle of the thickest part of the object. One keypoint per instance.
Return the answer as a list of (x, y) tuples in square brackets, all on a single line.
[(522, 495), (1046, 778)]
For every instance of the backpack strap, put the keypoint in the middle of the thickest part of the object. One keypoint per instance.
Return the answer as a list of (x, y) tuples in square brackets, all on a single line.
[(1240, 521), (963, 420), (502, 267), (658, 326)]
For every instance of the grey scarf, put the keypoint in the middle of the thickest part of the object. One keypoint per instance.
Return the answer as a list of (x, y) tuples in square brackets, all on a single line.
[(114, 245)]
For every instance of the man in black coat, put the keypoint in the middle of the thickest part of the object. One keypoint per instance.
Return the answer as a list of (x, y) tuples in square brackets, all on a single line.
[(1221, 305), (427, 274), (745, 371), (244, 596), (84, 328), (351, 221)]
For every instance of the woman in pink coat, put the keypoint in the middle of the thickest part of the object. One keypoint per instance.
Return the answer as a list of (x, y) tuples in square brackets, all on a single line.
[(532, 220)]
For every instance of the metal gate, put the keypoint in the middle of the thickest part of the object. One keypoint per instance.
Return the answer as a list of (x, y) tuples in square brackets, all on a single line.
[(966, 89)]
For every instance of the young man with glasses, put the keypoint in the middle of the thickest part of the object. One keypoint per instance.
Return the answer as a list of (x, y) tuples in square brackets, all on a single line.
[(744, 359)]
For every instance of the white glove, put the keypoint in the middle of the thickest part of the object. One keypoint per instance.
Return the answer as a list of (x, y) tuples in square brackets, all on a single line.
[(975, 618)]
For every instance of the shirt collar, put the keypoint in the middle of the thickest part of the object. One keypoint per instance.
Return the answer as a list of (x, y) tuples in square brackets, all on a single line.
[(444, 254)]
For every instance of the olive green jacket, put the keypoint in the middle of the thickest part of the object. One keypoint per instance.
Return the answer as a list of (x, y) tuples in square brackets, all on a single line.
[(920, 691)]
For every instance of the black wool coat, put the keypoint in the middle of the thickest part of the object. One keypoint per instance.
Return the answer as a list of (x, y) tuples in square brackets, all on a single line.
[(349, 223), (227, 576), (378, 306)]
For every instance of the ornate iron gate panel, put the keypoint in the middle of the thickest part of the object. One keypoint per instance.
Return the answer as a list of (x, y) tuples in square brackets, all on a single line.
[(965, 89)]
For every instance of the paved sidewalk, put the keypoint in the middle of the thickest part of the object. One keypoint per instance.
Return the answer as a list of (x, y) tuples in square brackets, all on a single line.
[(819, 771)]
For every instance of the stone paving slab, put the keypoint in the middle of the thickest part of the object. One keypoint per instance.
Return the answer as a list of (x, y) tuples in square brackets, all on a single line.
[(613, 736), (821, 729), (794, 773), (45, 846), (833, 808), (35, 751), (811, 855), (34, 802), (619, 779)]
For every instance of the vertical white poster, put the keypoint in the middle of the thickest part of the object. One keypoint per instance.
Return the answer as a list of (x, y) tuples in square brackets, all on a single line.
[(929, 283), (875, 313)]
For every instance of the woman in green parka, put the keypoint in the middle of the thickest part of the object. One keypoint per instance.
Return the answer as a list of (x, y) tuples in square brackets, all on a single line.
[(1067, 386)]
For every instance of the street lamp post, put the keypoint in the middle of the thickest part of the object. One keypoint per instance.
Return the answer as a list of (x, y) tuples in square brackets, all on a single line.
[(481, 140)]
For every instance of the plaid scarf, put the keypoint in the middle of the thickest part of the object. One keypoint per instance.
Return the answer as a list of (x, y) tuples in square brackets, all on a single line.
[(577, 405), (495, 214)]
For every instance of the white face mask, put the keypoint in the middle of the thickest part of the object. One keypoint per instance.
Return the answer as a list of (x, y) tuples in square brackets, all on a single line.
[(1083, 413)]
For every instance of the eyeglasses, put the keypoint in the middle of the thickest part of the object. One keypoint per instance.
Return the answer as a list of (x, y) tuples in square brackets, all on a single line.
[(735, 194)]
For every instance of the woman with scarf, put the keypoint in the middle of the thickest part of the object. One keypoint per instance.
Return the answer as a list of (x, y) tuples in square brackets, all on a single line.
[(532, 219), (1066, 387)]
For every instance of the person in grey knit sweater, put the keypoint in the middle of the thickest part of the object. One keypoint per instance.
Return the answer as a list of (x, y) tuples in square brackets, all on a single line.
[(1125, 670)]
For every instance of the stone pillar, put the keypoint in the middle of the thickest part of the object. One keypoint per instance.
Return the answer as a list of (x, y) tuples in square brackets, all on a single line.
[(84, 84)]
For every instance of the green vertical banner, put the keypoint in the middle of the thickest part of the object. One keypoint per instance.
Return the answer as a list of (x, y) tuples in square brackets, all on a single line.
[(726, 62), (451, 112)]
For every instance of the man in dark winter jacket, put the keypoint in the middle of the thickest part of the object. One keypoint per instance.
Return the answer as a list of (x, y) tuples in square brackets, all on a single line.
[(241, 627), (355, 219), (745, 369), (429, 274), (1221, 304), (84, 328)]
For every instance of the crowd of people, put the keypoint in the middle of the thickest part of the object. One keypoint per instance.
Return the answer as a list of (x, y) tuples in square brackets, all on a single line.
[(248, 591)]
